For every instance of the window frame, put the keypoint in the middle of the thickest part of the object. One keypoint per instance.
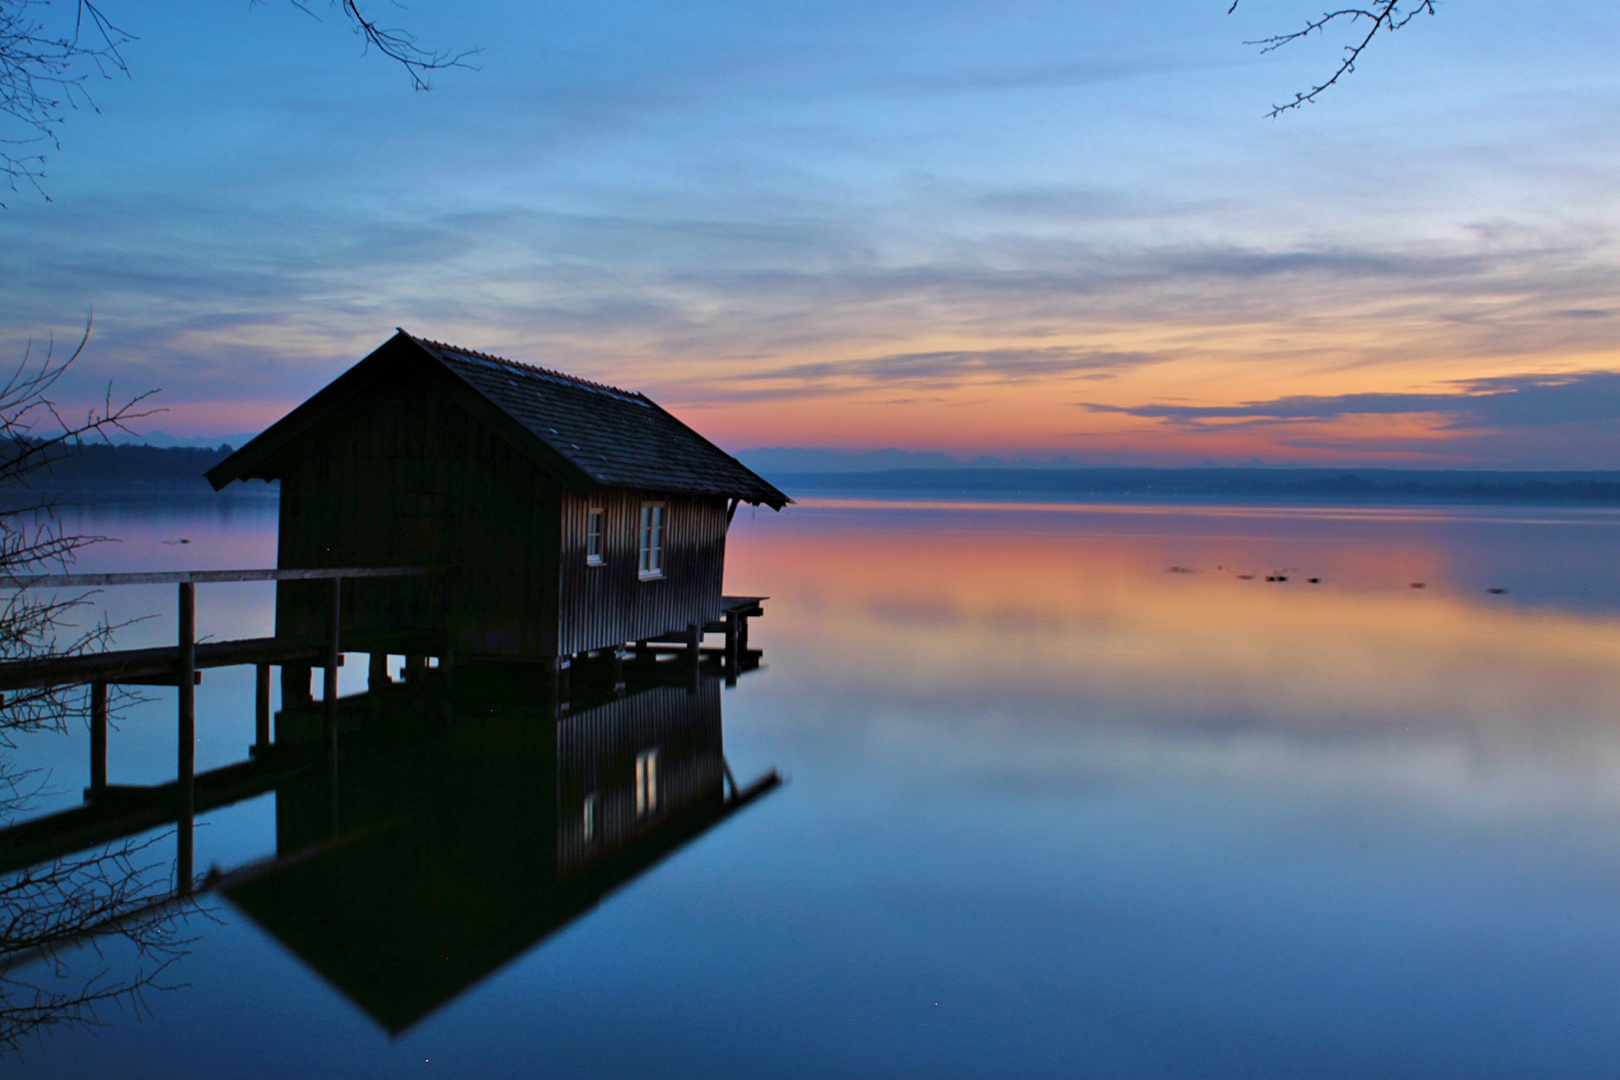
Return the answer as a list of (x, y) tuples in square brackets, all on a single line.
[(651, 527), (597, 516)]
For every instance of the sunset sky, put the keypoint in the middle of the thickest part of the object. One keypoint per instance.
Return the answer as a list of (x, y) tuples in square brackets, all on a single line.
[(1016, 228)]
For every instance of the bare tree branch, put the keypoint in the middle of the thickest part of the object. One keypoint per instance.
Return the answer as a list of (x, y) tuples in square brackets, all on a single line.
[(399, 45), (46, 65), (33, 436), (43, 74), (54, 918), (1388, 15)]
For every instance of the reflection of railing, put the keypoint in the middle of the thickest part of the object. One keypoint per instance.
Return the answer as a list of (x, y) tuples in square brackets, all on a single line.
[(180, 666)]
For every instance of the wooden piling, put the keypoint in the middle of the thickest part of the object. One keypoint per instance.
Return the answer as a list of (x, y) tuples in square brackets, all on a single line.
[(731, 661), (333, 652), (184, 873), (694, 654), (98, 737), (295, 685), (186, 676), (261, 706), (377, 674)]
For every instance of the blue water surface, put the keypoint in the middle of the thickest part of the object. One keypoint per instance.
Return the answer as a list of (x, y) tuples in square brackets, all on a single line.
[(1071, 792)]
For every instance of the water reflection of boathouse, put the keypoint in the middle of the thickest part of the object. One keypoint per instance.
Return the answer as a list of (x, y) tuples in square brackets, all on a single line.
[(442, 835), (409, 875)]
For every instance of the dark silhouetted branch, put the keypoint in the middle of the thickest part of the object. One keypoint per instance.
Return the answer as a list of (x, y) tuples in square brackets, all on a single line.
[(46, 65), (399, 45), (43, 74), (1389, 15), (33, 436)]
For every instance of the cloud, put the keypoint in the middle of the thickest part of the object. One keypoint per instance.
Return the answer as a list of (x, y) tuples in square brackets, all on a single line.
[(950, 368), (1511, 401)]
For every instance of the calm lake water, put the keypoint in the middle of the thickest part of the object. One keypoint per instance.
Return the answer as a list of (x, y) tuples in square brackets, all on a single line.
[(1066, 796)]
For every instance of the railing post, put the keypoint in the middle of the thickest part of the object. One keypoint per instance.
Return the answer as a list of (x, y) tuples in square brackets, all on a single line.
[(732, 663), (377, 675), (98, 737), (694, 653), (186, 677), (261, 706), (333, 653)]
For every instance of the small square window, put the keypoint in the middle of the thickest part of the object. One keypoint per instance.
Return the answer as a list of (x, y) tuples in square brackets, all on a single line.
[(651, 558), (593, 537)]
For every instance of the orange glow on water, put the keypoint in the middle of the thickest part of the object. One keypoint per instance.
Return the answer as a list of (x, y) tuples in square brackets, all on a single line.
[(1153, 615)]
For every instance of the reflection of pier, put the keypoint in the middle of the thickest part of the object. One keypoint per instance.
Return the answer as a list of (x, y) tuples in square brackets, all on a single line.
[(440, 831), (113, 807)]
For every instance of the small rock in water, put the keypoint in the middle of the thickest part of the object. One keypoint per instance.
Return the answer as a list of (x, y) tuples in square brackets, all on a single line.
[(1418, 585), (1314, 580), (1245, 577), (1496, 592)]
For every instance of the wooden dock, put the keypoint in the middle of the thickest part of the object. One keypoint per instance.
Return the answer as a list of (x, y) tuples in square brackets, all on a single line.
[(112, 811)]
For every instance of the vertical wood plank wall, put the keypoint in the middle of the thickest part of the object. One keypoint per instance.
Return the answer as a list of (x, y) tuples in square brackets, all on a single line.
[(409, 478), (608, 605)]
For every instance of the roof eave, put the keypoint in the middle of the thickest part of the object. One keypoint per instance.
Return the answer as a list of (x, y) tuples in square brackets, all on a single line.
[(246, 463)]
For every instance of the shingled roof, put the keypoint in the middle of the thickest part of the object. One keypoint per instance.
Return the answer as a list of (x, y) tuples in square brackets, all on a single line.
[(610, 437)]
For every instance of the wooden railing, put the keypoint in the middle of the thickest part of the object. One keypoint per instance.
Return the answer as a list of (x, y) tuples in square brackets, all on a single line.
[(180, 663)]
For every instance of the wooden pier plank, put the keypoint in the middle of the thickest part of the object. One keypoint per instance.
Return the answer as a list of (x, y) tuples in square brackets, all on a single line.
[(146, 665)]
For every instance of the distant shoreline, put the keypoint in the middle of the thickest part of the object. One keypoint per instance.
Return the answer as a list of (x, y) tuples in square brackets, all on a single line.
[(1349, 487), (113, 473)]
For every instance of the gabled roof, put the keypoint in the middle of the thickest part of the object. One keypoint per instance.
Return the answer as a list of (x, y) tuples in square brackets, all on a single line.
[(590, 433)]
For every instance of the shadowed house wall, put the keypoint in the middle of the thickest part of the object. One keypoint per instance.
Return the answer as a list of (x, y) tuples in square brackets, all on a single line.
[(409, 478)]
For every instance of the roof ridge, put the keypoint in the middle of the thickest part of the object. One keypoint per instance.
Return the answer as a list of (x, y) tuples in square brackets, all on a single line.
[(537, 369)]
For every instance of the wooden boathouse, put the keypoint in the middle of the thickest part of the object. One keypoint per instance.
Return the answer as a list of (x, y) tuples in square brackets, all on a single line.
[(437, 502), (570, 516)]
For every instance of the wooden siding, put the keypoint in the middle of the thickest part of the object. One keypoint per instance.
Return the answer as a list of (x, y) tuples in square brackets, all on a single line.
[(609, 605), (405, 478), (596, 755)]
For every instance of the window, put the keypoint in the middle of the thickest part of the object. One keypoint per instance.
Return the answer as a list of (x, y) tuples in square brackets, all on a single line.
[(646, 782), (593, 537), (652, 540), (588, 817)]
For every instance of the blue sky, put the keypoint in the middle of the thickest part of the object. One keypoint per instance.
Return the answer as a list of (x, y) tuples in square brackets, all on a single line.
[(1009, 228)]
